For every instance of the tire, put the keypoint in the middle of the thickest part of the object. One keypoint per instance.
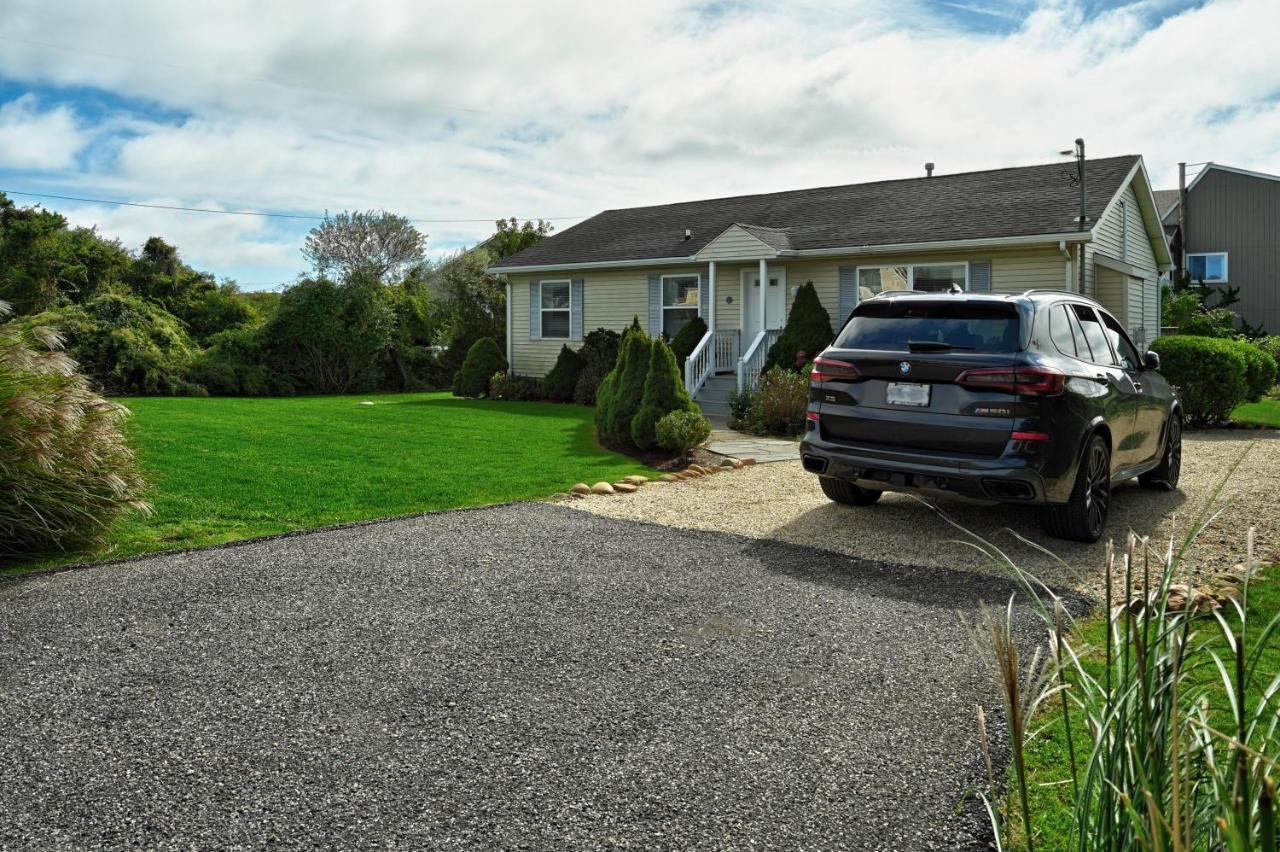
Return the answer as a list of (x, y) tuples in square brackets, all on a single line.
[(1084, 516), (843, 491), (1165, 477)]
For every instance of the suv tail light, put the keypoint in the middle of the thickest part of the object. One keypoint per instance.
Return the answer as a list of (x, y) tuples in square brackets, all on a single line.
[(1036, 381), (829, 370)]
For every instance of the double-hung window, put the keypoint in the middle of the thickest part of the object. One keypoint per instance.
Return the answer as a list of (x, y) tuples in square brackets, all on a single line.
[(680, 302), (929, 277), (556, 303), (1209, 267)]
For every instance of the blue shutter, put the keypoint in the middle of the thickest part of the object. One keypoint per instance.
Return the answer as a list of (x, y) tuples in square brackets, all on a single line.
[(704, 300), (980, 276), (655, 305), (535, 309), (847, 278), (575, 309)]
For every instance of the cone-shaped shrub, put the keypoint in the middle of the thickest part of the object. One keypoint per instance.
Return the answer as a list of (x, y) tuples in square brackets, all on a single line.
[(686, 339), (484, 358), (604, 396), (558, 385), (664, 393), (628, 388), (808, 330)]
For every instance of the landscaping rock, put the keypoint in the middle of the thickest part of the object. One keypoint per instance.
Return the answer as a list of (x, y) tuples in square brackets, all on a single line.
[(602, 488), (697, 468), (748, 461), (668, 477), (625, 487), (727, 464), (581, 488), (737, 464), (636, 479)]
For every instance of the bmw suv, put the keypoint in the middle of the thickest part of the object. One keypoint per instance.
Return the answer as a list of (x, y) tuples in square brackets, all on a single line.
[(1039, 398)]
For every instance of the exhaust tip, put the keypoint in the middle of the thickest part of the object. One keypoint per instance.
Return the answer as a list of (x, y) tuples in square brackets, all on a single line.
[(814, 464)]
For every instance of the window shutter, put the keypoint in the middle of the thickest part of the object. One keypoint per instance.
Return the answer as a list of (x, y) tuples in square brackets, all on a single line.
[(655, 305), (535, 309), (704, 300), (980, 276), (575, 309), (847, 278)]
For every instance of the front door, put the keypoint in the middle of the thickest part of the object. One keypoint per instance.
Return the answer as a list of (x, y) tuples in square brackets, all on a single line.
[(775, 302)]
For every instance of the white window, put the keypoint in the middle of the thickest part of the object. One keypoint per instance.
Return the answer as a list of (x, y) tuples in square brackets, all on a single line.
[(681, 298), (1209, 267), (556, 304), (929, 277)]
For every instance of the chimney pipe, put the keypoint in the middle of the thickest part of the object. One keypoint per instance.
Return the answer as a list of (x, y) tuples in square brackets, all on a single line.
[(928, 169)]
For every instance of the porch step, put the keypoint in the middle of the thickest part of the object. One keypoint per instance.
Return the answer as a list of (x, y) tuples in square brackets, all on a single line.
[(713, 408), (713, 396)]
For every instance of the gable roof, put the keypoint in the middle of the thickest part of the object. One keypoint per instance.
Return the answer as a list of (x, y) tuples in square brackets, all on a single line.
[(1022, 202), (1165, 200), (1208, 167)]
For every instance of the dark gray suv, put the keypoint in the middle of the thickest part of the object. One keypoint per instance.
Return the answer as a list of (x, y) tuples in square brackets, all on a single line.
[(1039, 398)]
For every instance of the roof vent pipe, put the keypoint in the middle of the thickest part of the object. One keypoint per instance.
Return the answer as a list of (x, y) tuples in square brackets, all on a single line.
[(928, 169)]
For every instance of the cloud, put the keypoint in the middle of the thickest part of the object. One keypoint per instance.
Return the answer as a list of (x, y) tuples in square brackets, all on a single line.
[(42, 141), (487, 109)]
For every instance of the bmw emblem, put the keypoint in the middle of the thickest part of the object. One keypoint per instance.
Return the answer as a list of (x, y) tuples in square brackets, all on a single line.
[(904, 368)]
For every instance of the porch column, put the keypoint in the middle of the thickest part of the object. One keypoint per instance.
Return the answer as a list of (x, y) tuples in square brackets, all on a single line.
[(711, 295), (764, 290)]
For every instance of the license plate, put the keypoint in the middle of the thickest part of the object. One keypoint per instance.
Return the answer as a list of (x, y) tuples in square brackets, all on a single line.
[(907, 393)]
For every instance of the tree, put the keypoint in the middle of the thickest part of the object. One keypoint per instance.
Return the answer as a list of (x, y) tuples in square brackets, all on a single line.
[(473, 304), (378, 244), (808, 330), (483, 360), (560, 383), (664, 392), (512, 237), (628, 389)]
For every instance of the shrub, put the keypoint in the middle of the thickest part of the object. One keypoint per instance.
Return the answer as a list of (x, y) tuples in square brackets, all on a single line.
[(1260, 369), (1209, 373), (233, 364), (514, 388), (65, 469), (628, 389), (1271, 346), (682, 431), (682, 345), (664, 393), (783, 399), (484, 358), (599, 351), (604, 399), (742, 405), (126, 344), (560, 384), (808, 330)]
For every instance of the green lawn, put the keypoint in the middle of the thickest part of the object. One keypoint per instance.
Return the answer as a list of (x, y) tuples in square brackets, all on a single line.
[(223, 469), (1265, 412)]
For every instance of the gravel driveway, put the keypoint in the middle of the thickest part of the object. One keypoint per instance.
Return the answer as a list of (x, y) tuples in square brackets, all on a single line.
[(781, 501), (516, 677)]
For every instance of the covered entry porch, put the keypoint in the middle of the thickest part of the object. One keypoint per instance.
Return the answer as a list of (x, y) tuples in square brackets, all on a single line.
[(737, 342)]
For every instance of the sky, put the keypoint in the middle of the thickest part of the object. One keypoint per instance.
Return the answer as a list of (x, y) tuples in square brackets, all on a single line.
[(561, 108)]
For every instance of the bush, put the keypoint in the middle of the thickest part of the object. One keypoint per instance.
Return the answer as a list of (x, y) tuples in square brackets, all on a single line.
[(742, 405), (681, 432), (808, 330), (1260, 369), (514, 388), (604, 401), (628, 388), (783, 398), (65, 469), (126, 344), (484, 358), (1271, 346), (682, 345), (233, 364), (1209, 373), (664, 393), (599, 352), (560, 384)]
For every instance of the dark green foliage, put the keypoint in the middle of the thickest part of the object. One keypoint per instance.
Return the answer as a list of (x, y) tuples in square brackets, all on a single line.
[(599, 351), (472, 304), (808, 330), (482, 361), (607, 392), (1271, 346), (681, 431), (559, 384), (511, 237), (664, 393), (1209, 373), (776, 406), (1260, 369), (515, 388), (686, 339), (127, 345), (741, 407), (411, 362), (604, 403), (233, 365), (628, 392)]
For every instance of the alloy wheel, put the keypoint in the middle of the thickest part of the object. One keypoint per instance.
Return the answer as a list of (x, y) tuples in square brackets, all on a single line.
[(1097, 495)]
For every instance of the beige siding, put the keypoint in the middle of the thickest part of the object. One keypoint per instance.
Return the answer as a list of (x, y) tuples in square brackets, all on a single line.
[(735, 243), (1122, 235)]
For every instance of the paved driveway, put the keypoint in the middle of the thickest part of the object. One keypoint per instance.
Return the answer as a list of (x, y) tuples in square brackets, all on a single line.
[(524, 676)]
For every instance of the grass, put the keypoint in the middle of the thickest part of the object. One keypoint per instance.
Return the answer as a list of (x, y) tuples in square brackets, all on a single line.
[(222, 469), (1265, 412)]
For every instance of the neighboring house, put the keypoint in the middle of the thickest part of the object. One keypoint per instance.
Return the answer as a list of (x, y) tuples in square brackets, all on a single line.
[(1232, 223), (1005, 230)]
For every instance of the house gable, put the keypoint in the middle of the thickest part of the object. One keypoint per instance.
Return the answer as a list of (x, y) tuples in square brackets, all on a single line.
[(1131, 213), (742, 242)]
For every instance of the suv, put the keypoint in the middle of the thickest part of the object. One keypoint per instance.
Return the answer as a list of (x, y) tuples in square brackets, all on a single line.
[(1039, 399)]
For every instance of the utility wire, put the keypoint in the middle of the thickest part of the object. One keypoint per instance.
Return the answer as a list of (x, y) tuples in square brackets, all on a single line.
[(259, 213)]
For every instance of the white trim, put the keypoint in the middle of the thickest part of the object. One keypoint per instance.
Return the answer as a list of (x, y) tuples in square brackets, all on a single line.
[(711, 296), (1226, 265), (597, 264), (1232, 169), (542, 311), (1139, 168), (662, 296), (510, 368), (911, 272)]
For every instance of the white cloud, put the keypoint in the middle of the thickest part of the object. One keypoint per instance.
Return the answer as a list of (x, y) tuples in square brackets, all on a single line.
[(485, 109), (31, 139)]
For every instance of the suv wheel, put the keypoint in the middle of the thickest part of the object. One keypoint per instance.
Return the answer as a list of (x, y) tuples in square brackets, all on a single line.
[(843, 491), (1084, 516), (1165, 477)]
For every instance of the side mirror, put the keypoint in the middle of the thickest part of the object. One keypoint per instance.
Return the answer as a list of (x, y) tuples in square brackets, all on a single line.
[(1151, 361)]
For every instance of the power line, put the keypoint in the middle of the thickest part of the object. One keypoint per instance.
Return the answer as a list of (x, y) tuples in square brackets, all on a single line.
[(259, 213)]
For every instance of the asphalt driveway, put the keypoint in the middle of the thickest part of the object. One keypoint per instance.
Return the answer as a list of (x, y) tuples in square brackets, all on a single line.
[(524, 676)]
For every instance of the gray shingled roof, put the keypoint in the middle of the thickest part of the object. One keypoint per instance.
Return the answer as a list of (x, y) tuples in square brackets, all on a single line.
[(1013, 202), (1165, 199)]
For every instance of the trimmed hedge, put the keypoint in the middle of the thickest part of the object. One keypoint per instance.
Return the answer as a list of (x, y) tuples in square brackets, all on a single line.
[(1209, 373), (484, 358), (808, 330), (664, 393), (1260, 369), (514, 388), (560, 383)]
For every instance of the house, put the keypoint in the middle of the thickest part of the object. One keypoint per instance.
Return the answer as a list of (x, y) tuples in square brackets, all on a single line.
[(1230, 236), (1004, 230)]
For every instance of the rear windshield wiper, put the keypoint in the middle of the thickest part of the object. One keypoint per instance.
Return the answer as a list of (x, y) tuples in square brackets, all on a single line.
[(932, 346)]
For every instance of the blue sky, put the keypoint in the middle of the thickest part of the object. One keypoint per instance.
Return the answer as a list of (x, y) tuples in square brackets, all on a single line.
[(453, 111)]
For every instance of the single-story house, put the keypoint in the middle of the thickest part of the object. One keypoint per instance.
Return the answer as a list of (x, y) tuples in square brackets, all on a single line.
[(1003, 230)]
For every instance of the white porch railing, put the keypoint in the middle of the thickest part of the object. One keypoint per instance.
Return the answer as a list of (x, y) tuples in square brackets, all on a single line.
[(700, 364), (727, 346), (752, 362)]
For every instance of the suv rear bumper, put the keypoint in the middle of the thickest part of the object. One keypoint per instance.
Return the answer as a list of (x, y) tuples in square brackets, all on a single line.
[(1006, 479)]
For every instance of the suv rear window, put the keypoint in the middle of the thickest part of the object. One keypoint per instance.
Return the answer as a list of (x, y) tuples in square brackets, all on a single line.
[(960, 325)]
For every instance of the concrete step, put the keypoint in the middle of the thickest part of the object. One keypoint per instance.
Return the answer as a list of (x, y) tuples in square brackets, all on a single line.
[(714, 408)]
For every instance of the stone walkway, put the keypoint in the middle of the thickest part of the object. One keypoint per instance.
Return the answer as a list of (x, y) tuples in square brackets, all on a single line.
[(740, 445)]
